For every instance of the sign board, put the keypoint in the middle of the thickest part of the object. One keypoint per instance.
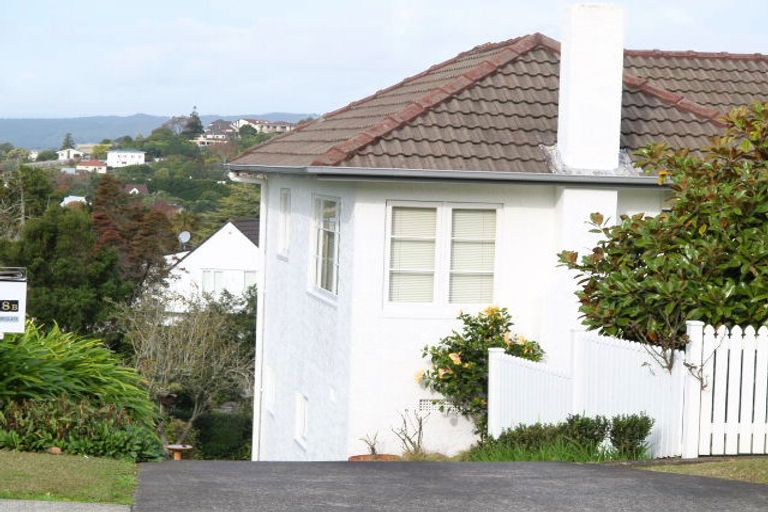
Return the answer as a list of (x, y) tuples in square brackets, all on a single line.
[(13, 299)]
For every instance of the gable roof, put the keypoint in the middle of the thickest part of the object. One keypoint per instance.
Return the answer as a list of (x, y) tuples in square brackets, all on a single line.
[(249, 227), (491, 108)]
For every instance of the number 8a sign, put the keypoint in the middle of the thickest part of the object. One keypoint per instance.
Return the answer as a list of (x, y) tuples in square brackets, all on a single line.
[(13, 299)]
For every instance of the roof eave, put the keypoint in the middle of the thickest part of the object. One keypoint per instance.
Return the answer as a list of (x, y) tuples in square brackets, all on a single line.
[(362, 173)]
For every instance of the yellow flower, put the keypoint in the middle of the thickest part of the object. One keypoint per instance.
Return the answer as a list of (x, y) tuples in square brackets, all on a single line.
[(420, 376), (492, 310), (442, 372), (508, 339), (455, 357), (522, 339)]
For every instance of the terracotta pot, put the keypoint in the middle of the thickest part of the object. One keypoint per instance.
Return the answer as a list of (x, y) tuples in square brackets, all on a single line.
[(379, 457)]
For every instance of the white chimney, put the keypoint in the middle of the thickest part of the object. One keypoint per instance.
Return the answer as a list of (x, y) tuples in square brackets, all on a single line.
[(591, 66)]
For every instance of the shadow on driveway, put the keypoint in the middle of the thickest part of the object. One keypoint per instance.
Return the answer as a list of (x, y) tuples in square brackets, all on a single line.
[(192, 486)]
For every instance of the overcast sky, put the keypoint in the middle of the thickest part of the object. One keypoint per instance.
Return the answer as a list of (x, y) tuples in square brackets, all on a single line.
[(82, 57)]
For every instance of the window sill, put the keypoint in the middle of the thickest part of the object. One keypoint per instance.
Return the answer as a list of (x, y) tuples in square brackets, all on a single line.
[(323, 296), (429, 310)]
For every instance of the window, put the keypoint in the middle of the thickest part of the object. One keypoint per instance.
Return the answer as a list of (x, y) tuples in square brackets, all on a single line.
[(442, 254), (327, 244), (473, 250), (285, 222), (250, 278), (302, 423), (412, 254)]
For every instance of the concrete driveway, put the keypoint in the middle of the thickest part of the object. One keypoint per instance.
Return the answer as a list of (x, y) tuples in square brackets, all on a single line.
[(191, 486)]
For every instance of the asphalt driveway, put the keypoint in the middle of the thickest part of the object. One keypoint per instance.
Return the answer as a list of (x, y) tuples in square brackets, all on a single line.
[(191, 486)]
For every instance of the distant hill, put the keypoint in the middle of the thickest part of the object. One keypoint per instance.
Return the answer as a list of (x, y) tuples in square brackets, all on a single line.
[(48, 133)]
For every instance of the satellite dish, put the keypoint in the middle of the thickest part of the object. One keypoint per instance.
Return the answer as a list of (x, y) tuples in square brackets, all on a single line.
[(184, 237)]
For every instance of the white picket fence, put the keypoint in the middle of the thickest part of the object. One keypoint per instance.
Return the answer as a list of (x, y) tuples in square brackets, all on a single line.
[(713, 402)]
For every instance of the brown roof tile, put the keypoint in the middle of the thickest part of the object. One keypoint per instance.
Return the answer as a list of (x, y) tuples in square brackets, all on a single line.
[(490, 109)]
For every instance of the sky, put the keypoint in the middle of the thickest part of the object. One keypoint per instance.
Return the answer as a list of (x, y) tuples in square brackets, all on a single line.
[(82, 58)]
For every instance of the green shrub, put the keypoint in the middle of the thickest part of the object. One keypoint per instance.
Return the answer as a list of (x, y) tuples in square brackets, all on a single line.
[(459, 363), (629, 432), (585, 431), (225, 436), (79, 428), (529, 437), (578, 439), (42, 365)]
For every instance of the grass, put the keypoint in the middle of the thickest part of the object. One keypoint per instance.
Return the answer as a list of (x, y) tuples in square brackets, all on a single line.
[(753, 470), (41, 476)]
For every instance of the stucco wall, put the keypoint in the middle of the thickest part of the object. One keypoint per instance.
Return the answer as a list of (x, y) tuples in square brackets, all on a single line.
[(306, 337), (368, 350)]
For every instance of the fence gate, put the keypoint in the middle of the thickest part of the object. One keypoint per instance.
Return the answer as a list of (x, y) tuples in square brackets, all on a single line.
[(733, 408)]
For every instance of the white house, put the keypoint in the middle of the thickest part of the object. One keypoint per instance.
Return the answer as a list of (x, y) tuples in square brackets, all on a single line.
[(264, 126), (124, 157), (69, 154), (450, 191), (229, 260), (73, 200), (96, 166)]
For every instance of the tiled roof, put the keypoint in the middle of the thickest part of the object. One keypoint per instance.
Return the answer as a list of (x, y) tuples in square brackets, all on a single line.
[(248, 227), (490, 109)]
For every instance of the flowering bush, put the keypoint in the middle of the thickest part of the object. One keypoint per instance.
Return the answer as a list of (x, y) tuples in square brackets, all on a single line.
[(459, 363)]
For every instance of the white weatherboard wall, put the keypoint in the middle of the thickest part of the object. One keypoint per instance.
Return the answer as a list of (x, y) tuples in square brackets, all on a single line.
[(355, 357), (228, 251)]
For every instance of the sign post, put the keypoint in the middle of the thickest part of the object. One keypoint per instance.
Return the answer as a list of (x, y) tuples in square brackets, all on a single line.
[(13, 299)]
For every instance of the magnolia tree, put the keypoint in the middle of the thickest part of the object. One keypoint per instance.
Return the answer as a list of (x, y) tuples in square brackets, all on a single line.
[(704, 259)]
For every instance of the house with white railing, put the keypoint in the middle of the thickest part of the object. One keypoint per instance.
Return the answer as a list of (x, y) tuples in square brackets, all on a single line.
[(448, 191)]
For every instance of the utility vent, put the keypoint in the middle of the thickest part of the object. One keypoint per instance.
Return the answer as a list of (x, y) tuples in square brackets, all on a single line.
[(430, 405)]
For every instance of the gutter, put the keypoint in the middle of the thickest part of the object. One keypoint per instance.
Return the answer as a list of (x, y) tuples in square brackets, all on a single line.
[(241, 172)]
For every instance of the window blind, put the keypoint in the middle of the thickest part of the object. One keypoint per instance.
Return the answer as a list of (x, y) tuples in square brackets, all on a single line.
[(412, 254), (473, 249)]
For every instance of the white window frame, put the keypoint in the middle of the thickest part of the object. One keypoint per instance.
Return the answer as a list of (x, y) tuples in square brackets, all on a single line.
[(314, 272), (441, 297), (284, 228)]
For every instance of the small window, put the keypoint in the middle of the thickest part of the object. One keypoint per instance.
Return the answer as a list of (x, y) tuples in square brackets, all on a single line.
[(302, 421), (285, 222), (327, 244), (219, 281), (250, 278), (207, 281), (473, 248), (412, 254)]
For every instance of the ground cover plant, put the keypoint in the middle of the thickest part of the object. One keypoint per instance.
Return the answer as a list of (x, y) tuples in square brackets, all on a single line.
[(40, 476), (459, 363), (578, 439)]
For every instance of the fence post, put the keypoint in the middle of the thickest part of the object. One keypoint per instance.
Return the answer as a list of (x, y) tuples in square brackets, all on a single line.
[(692, 389), (495, 356)]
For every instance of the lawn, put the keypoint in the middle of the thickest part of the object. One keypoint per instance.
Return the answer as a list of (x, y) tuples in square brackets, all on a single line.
[(40, 476), (747, 469)]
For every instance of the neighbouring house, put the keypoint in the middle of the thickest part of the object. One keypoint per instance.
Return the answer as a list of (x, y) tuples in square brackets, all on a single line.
[(453, 190), (262, 126), (73, 200), (68, 170), (136, 189), (229, 260), (124, 157), (69, 154), (96, 166), (33, 155)]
